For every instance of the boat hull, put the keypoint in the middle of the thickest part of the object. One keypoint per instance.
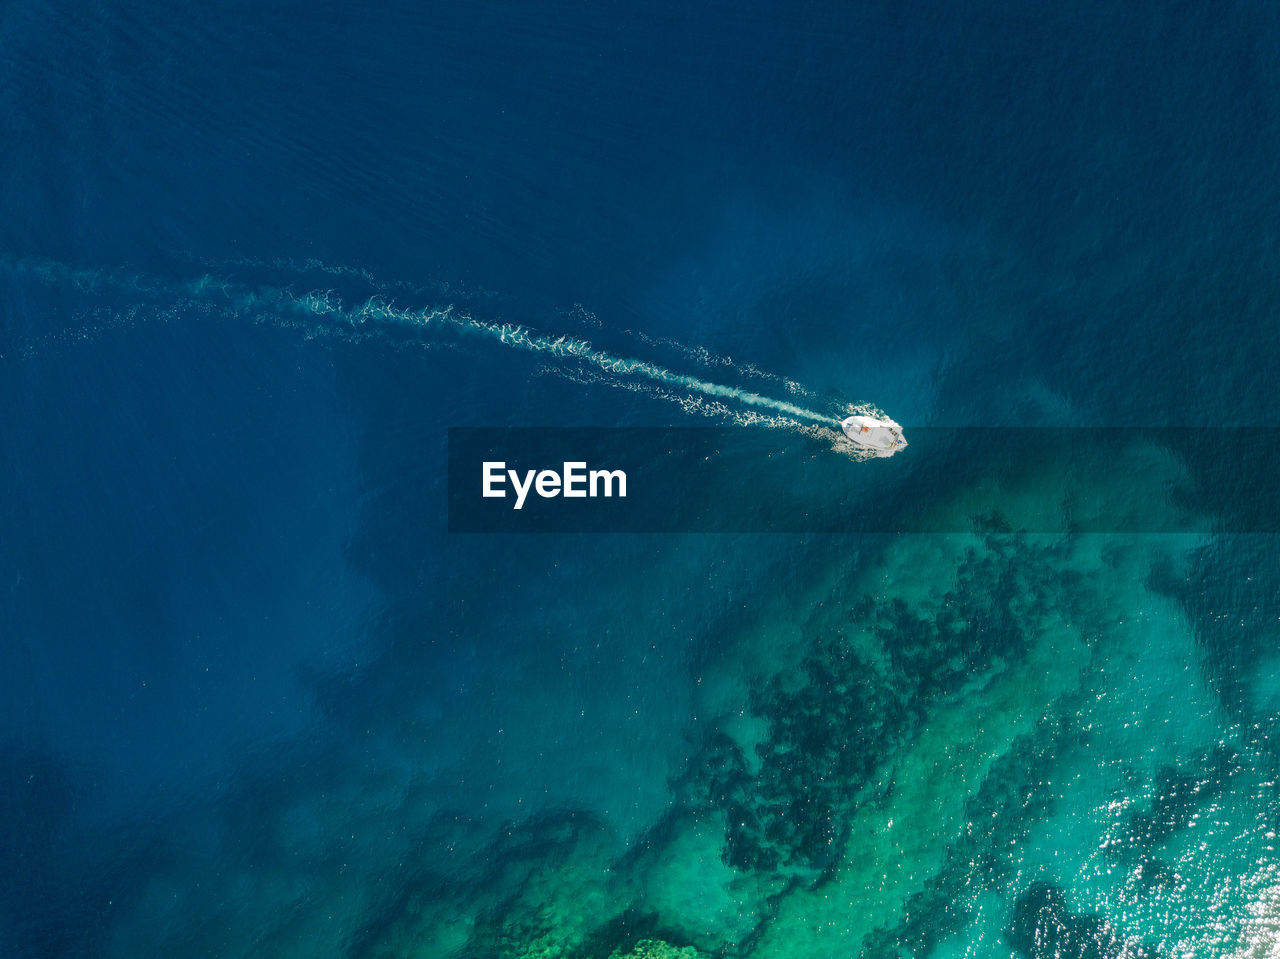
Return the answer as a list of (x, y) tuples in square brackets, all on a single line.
[(880, 437)]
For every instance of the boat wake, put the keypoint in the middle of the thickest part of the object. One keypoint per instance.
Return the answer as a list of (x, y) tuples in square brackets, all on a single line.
[(324, 314)]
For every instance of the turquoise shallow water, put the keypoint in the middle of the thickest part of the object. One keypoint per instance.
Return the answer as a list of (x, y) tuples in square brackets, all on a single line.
[(256, 700)]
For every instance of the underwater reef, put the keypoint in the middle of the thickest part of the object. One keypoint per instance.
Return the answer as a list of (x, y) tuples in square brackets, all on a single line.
[(1044, 927), (876, 793)]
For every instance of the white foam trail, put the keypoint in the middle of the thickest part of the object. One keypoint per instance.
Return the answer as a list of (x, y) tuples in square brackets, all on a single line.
[(690, 403), (327, 306), (704, 357), (322, 313), (580, 315), (582, 351), (701, 406)]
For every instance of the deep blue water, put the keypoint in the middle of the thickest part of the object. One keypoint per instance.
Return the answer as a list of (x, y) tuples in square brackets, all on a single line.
[(254, 700)]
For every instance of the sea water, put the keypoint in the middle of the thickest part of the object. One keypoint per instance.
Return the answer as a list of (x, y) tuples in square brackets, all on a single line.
[(255, 700)]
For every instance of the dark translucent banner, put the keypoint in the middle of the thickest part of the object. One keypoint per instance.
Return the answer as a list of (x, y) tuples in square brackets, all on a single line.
[(682, 480)]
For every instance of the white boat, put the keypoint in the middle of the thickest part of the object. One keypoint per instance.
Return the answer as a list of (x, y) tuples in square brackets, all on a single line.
[(880, 437)]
